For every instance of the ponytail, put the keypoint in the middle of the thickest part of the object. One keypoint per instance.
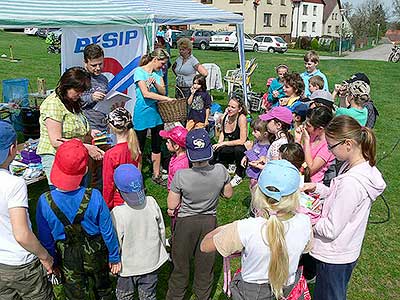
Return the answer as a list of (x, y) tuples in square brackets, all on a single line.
[(278, 269), (133, 144), (145, 60), (345, 127)]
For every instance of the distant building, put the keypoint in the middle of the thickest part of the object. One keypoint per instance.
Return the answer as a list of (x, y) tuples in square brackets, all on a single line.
[(273, 17), (307, 18), (332, 19)]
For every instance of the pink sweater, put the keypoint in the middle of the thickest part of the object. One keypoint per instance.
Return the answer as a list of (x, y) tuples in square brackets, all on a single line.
[(339, 234)]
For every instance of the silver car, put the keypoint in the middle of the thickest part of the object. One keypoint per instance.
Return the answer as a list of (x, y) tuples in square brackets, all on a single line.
[(271, 43)]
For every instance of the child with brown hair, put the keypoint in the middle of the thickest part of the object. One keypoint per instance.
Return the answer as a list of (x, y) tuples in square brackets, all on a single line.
[(199, 103), (311, 61), (293, 88), (316, 83), (125, 151)]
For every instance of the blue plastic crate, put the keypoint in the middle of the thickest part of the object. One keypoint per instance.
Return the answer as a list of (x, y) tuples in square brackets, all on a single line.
[(16, 90)]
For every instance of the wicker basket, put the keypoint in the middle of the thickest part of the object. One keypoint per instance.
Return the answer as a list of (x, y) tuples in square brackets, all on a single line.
[(173, 111)]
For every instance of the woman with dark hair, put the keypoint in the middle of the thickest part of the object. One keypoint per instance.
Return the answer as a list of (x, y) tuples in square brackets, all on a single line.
[(61, 117), (150, 88), (230, 147)]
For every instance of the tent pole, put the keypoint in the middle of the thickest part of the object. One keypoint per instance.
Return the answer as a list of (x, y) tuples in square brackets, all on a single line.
[(240, 39)]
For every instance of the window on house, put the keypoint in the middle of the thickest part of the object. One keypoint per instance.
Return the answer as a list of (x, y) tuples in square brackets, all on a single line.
[(235, 1), (282, 20), (313, 26), (305, 7), (329, 29), (337, 29), (303, 26), (269, 1), (206, 1), (283, 2), (267, 20), (314, 12), (333, 16)]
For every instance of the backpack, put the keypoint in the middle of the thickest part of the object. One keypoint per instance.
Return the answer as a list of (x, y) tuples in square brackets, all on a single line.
[(79, 251), (372, 114)]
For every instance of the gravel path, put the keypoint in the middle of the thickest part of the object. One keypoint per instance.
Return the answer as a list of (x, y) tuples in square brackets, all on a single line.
[(380, 52)]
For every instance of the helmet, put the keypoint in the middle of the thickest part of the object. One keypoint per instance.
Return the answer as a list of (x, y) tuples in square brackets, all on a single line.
[(359, 88)]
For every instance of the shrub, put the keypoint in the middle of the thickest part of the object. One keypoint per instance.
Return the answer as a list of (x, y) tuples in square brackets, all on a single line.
[(305, 43), (314, 44)]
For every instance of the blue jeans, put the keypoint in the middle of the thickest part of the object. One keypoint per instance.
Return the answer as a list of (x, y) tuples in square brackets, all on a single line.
[(332, 280)]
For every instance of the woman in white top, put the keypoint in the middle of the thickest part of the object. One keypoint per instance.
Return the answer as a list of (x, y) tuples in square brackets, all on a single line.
[(185, 68), (271, 244)]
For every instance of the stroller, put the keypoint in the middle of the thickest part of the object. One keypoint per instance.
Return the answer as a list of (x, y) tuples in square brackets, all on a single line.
[(54, 43)]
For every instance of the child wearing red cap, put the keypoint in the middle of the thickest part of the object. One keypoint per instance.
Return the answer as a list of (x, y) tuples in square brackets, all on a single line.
[(176, 143), (74, 224), (126, 151)]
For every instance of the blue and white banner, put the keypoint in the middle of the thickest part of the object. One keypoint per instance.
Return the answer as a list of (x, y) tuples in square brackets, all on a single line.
[(123, 47)]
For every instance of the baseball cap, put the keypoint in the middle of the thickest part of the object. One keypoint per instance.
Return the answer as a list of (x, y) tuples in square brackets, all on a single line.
[(129, 181), (279, 178), (176, 134), (120, 118), (301, 110), (70, 165), (359, 88), (357, 77), (281, 113), (8, 137), (198, 145), (323, 97)]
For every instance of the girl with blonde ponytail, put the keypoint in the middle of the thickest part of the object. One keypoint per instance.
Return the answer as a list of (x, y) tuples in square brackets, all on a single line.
[(126, 151), (340, 231), (272, 242)]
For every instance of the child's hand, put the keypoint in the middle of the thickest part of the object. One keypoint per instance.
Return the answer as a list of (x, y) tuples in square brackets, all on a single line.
[(309, 187), (283, 101), (244, 161), (248, 145), (115, 268), (298, 133), (193, 89)]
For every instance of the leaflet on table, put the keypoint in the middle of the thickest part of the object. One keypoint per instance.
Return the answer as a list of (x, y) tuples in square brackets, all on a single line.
[(111, 101)]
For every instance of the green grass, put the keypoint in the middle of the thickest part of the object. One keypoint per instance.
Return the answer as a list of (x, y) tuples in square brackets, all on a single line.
[(377, 275)]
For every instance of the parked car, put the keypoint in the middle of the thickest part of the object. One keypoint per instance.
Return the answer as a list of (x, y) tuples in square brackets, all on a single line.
[(43, 32), (31, 30), (174, 36), (199, 38), (271, 43), (228, 40)]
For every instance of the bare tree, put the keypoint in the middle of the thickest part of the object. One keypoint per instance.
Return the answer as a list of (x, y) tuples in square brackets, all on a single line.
[(396, 9)]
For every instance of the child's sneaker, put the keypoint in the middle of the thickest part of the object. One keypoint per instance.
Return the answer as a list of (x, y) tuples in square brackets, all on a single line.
[(236, 180), (159, 180), (231, 169)]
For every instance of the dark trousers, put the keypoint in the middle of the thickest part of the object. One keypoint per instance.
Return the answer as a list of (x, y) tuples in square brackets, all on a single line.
[(156, 139), (230, 154), (95, 173), (146, 285), (332, 280), (189, 232)]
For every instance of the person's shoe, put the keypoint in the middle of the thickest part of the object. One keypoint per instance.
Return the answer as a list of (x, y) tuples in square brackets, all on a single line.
[(164, 176), (231, 169), (159, 180), (236, 180)]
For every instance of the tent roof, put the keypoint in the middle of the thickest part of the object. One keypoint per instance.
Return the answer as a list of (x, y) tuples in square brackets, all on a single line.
[(67, 13)]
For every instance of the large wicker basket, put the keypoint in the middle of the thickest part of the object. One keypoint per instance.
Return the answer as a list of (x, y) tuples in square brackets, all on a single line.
[(173, 111)]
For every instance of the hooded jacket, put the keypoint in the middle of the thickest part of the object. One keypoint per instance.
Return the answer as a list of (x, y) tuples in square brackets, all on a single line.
[(339, 234)]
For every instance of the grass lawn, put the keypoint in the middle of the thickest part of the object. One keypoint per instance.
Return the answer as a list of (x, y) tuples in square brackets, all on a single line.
[(377, 275)]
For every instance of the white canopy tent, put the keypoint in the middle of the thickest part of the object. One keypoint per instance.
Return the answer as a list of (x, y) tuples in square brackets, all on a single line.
[(142, 13)]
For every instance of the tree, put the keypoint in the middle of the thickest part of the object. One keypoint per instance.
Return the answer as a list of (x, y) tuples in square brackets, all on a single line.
[(396, 10), (366, 18)]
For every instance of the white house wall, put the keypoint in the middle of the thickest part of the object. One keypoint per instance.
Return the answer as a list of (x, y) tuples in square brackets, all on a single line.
[(312, 17)]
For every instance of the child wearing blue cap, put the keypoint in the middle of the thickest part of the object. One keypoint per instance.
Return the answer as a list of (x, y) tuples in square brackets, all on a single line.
[(197, 191), (271, 243), (23, 260), (141, 234)]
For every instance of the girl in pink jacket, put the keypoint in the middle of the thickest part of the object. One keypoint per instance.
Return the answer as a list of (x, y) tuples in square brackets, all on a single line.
[(340, 231)]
